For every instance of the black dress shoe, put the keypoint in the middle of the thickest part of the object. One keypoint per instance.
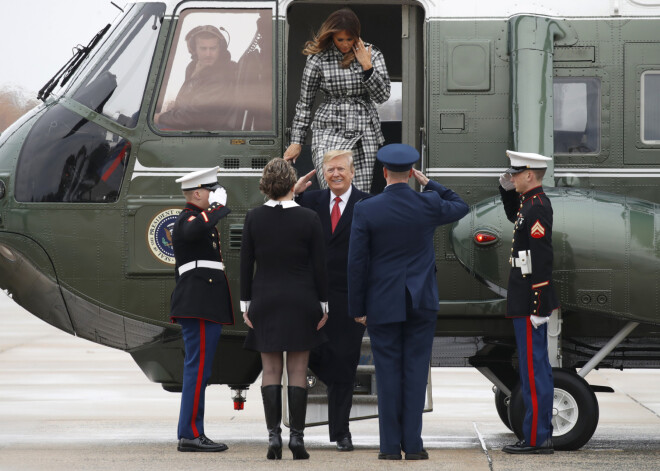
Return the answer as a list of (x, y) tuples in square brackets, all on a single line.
[(201, 443), (345, 444), (387, 456), (422, 455), (522, 448)]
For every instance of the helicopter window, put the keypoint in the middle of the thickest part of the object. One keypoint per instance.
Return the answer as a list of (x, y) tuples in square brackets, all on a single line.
[(650, 122), (115, 87), (576, 115), (219, 75), (67, 158)]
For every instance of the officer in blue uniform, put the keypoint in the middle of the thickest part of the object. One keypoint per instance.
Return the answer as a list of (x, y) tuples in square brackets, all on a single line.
[(201, 302), (531, 297), (392, 288)]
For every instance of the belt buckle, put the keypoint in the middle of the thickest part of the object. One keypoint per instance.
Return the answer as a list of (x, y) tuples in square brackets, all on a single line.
[(350, 134)]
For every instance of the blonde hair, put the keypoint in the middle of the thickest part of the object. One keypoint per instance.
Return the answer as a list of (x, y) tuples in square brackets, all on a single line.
[(331, 154), (338, 21)]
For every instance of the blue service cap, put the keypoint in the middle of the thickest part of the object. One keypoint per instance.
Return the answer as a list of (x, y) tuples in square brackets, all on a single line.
[(398, 157)]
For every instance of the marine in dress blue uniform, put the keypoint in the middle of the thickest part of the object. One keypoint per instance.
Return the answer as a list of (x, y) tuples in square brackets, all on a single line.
[(201, 302), (335, 361), (531, 298), (392, 286)]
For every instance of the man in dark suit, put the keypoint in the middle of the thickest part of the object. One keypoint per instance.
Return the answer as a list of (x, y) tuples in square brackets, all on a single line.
[(392, 286), (335, 361), (201, 303)]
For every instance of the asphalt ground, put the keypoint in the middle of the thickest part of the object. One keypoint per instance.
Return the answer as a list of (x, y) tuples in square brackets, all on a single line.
[(69, 404)]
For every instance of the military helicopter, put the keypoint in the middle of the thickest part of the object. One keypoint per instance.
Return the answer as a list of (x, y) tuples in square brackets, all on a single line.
[(87, 190)]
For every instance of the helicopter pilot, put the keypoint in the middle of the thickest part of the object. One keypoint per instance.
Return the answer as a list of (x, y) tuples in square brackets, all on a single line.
[(205, 101), (201, 301), (531, 298)]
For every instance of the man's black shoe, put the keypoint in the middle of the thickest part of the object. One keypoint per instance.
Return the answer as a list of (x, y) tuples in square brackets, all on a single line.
[(345, 444), (201, 443), (387, 456), (522, 448), (422, 455)]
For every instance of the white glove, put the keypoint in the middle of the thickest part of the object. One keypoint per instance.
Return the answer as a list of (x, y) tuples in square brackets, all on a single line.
[(505, 181), (538, 320), (218, 196)]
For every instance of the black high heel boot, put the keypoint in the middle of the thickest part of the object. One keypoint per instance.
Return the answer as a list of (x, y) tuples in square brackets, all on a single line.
[(297, 413), (272, 397)]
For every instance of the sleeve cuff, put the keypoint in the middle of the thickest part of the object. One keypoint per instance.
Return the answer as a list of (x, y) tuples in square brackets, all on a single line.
[(245, 305), (324, 307)]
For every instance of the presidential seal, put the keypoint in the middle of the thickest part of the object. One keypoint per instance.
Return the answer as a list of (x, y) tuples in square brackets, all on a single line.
[(159, 235)]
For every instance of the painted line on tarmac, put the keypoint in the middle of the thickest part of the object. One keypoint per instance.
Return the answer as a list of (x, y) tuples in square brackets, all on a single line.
[(644, 406), (483, 446)]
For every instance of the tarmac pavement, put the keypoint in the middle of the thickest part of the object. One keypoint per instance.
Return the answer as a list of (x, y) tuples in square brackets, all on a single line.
[(69, 404)]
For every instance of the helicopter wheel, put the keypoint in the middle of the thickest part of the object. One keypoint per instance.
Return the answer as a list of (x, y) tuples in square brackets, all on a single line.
[(502, 406), (574, 411)]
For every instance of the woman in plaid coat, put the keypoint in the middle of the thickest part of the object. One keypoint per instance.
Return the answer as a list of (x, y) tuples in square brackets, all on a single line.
[(352, 76)]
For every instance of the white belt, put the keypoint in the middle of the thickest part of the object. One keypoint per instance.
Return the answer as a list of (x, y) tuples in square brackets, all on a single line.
[(200, 264), (524, 262)]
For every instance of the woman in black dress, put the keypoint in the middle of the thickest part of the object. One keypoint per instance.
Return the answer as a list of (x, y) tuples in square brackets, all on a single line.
[(284, 301)]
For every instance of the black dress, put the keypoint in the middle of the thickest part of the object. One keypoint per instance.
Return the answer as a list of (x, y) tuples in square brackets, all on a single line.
[(290, 279)]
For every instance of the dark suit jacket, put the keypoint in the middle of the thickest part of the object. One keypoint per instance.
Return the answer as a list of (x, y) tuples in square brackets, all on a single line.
[(392, 252), (337, 242)]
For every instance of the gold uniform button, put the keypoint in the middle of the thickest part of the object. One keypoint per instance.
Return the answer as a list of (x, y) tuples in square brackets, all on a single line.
[(210, 280)]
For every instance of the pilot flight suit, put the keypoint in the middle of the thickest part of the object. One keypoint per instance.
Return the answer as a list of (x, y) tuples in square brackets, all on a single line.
[(201, 304), (532, 294)]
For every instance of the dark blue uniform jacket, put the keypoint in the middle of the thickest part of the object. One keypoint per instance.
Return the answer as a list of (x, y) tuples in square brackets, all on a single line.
[(531, 214), (201, 293)]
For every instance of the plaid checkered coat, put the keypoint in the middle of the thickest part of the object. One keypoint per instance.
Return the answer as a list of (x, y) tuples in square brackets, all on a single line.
[(347, 118)]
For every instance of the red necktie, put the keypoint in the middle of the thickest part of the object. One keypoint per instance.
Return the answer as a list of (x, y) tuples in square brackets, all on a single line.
[(335, 214)]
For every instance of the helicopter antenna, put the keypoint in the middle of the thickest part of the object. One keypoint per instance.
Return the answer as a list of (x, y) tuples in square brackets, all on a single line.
[(118, 7)]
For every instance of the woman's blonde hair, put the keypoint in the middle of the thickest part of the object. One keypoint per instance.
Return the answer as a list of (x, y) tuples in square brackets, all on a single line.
[(277, 178), (338, 21)]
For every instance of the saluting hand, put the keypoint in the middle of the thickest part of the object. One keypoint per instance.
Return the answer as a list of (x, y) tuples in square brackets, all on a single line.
[(247, 320), (303, 183), (420, 177), (362, 54)]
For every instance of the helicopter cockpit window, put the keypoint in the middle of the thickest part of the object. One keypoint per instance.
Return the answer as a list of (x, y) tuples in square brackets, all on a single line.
[(576, 115), (650, 122), (219, 74), (67, 158), (115, 87)]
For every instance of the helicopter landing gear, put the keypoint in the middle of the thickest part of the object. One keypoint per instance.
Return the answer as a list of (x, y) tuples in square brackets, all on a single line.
[(575, 411)]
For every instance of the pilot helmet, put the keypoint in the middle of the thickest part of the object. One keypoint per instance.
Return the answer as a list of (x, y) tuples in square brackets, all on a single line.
[(207, 30)]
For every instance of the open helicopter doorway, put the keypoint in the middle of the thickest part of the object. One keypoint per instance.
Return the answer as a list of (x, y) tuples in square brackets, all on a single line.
[(395, 29)]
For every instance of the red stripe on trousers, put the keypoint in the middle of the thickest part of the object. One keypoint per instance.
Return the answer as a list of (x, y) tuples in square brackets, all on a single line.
[(532, 384), (200, 375)]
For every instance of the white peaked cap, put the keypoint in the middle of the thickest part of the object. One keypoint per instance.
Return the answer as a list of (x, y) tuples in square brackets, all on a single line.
[(526, 160), (206, 178)]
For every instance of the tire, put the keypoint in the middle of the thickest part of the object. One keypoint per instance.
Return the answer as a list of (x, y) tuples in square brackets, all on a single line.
[(502, 406), (575, 411)]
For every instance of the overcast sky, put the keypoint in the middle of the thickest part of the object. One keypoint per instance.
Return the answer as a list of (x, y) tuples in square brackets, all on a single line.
[(37, 36)]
